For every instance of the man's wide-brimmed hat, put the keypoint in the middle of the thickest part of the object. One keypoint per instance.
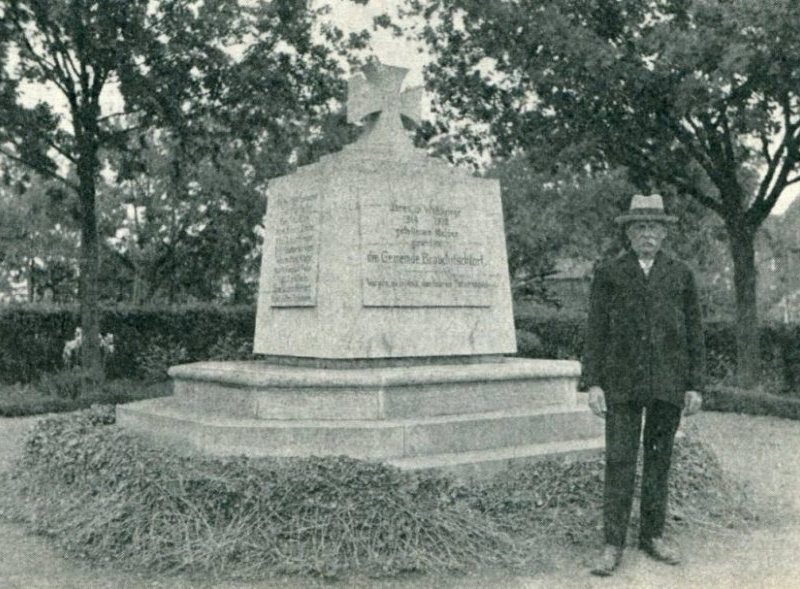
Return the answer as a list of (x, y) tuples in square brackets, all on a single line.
[(646, 208)]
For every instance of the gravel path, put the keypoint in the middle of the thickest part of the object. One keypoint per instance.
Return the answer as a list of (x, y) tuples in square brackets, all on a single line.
[(763, 451)]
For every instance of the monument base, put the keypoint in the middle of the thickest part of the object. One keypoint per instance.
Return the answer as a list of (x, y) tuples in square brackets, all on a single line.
[(468, 419)]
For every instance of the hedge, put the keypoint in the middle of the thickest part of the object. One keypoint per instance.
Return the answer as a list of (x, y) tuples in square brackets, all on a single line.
[(34, 399), (33, 337), (562, 338), (733, 400), (150, 338)]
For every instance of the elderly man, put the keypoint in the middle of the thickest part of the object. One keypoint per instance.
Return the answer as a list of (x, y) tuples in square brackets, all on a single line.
[(644, 357)]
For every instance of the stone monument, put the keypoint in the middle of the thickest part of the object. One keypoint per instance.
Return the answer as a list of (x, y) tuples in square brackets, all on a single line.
[(384, 316)]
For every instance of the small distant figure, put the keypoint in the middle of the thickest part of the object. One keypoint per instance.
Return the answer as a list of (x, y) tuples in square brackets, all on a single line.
[(72, 349), (644, 357), (71, 355)]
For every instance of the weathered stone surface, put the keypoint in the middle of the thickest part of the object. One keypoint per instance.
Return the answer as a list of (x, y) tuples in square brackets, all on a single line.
[(503, 429), (295, 267), (257, 373), (267, 391), (360, 438), (380, 251), (451, 416), (215, 435), (481, 464), (385, 311)]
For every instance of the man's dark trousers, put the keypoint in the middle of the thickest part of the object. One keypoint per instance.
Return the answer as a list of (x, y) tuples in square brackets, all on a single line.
[(623, 432)]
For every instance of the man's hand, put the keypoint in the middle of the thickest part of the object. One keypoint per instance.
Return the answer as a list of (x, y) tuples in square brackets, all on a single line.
[(597, 401), (692, 402)]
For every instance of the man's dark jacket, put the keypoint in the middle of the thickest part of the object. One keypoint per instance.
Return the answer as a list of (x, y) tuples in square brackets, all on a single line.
[(645, 336)]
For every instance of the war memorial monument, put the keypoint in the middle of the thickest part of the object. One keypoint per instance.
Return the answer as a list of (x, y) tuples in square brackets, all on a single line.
[(385, 321)]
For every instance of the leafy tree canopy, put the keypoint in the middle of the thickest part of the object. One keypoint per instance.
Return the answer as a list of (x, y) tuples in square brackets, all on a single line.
[(212, 74), (700, 95), (693, 93), (201, 69)]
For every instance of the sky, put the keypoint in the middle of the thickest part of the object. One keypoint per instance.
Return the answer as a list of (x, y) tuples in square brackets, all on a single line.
[(352, 17)]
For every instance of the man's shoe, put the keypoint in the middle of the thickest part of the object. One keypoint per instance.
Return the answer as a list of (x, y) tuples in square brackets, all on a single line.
[(608, 561), (660, 550)]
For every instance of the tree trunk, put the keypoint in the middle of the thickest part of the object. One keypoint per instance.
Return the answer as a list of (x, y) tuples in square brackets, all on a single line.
[(136, 296), (748, 369), (87, 165), (31, 287)]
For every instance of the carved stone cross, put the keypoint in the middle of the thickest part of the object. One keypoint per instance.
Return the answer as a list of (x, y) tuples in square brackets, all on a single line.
[(379, 91)]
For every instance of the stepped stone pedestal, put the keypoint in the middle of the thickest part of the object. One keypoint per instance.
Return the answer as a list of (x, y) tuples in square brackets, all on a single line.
[(385, 311), (469, 419)]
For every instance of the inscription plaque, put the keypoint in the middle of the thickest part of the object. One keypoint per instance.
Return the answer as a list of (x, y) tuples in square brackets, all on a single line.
[(296, 225), (416, 252)]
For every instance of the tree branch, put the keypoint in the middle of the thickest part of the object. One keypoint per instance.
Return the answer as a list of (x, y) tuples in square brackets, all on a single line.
[(741, 91), (122, 258), (105, 118), (39, 169), (687, 140), (728, 150), (51, 70), (771, 188), (698, 131), (115, 132), (715, 149), (699, 196), (671, 178), (56, 49), (761, 207), (97, 86), (70, 64), (59, 149), (772, 166), (762, 137)]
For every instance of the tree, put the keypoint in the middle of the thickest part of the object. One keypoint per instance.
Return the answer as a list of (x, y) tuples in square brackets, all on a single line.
[(162, 246), (79, 47), (700, 95), (552, 214), (172, 63), (563, 213), (38, 236), (176, 243)]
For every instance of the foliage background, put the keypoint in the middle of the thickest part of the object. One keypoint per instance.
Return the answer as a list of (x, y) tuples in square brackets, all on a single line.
[(150, 339)]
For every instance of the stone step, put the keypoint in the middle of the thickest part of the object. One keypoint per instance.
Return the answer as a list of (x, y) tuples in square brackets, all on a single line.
[(497, 429), (265, 391), (164, 420), (173, 425), (369, 402), (483, 464)]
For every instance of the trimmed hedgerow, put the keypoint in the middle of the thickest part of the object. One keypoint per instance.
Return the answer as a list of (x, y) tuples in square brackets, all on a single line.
[(735, 400), (551, 337), (33, 339), (146, 339), (195, 330), (57, 394), (562, 337), (107, 496)]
